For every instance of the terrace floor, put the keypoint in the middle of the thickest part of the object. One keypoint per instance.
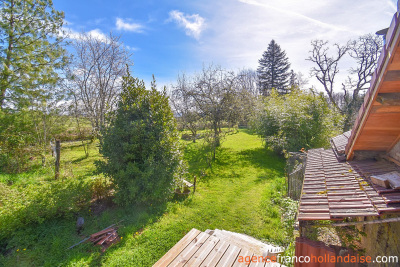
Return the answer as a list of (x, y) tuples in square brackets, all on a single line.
[(198, 248)]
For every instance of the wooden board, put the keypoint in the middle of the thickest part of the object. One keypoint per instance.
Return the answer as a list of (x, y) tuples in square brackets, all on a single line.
[(216, 254), (244, 254), (390, 87), (203, 252), (185, 255), (229, 257), (175, 250)]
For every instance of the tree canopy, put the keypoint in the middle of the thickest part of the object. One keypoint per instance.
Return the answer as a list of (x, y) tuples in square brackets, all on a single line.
[(299, 119), (94, 76), (30, 49)]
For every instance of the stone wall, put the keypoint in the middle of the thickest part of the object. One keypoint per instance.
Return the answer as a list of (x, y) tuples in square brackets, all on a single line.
[(381, 239)]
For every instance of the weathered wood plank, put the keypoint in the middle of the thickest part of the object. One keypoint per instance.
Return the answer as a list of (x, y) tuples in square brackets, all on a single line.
[(229, 257), (215, 255), (175, 250), (190, 249), (203, 252), (242, 255), (258, 263)]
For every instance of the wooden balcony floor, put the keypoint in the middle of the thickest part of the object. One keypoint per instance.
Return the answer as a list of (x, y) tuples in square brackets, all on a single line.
[(197, 248)]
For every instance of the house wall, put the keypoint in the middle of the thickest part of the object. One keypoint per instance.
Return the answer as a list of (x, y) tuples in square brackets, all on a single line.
[(395, 152), (381, 239)]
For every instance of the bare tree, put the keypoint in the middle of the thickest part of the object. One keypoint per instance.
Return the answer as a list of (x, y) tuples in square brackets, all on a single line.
[(365, 52), (301, 81), (247, 96), (95, 75), (214, 95), (211, 96), (326, 67), (184, 105)]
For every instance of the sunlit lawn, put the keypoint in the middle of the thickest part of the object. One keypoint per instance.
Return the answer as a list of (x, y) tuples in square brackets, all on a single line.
[(234, 195)]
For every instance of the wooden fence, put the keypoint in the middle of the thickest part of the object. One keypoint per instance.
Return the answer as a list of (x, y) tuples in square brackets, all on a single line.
[(295, 167)]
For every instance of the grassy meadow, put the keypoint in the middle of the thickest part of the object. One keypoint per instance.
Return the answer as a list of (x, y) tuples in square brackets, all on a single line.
[(242, 192)]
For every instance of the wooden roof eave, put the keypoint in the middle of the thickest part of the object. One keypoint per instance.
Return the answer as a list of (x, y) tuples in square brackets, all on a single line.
[(387, 55)]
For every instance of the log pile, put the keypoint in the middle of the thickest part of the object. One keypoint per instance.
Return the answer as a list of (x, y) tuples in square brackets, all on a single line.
[(105, 238)]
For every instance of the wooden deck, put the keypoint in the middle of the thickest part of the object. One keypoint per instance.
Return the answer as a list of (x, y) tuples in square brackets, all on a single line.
[(197, 248)]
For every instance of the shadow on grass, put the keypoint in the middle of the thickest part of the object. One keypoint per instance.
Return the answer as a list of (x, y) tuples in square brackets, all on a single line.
[(265, 159), (197, 157), (199, 161), (227, 159), (80, 159), (248, 131), (47, 243)]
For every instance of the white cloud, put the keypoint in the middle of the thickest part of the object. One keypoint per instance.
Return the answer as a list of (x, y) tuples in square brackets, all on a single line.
[(288, 12), (131, 48), (239, 31), (66, 22), (193, 24), (96, 33), (127, 26)]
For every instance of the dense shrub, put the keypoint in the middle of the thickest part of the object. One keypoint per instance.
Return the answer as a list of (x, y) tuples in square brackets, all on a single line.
[(25, 134), (141, 145), (36, 203), (297, 120), (15, 140)]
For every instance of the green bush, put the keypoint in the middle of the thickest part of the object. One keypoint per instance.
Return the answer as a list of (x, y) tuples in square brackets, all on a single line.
[(36, 203), (25, 134), (101, 188), (141, 145), (297, 120), (15, 141)]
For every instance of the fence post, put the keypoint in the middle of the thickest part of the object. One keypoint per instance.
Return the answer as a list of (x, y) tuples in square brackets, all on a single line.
[(57, 164)]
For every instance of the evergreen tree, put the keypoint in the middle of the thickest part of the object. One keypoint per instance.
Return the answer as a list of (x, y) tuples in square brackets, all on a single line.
[(30, 49), (293, 81), (273, 71), (141, 145)]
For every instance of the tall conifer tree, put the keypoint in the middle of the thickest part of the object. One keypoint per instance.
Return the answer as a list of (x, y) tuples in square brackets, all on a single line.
[(273, 71), (30, 49)]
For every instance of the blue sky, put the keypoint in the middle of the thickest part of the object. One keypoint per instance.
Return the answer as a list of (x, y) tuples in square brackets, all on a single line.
[(170, 37)]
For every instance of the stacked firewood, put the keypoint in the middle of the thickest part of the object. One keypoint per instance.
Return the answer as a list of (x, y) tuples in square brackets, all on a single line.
[(105, 238)]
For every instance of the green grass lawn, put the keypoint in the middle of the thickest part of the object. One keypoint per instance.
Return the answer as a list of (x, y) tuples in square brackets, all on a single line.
[(239, 193)]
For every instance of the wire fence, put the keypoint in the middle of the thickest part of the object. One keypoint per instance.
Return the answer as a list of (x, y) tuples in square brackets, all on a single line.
[(295, 167)]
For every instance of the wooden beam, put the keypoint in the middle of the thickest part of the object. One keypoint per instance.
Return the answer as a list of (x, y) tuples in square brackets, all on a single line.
[(389, 99), (390, 87), (392, 75), (385, 109)]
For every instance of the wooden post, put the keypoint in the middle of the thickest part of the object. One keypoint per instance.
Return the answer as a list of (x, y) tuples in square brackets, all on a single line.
[(58, 150), (194, 184)]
